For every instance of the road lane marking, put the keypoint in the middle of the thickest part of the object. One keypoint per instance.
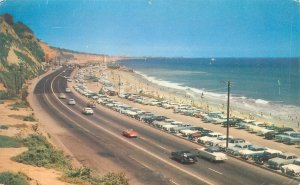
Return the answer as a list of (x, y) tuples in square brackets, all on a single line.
[(141, 163), (153, 143), (174, 182), (215, 171), (199, 177)]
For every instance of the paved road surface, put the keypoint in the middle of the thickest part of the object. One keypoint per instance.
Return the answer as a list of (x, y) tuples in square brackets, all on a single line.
[(145, 158)]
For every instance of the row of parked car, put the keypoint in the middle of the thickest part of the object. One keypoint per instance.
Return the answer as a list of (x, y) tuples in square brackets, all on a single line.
[(216, 142), (274, 159), (280, 134)]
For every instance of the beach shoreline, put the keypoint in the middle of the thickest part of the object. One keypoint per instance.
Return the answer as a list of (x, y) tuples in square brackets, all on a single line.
[(135, 82)]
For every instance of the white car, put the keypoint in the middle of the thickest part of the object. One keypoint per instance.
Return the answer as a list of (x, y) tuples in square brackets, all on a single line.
[(68, 90), (292, 169), (71, 102), (211, 153), (88, 111), (209, 137), (254, 149), (62, 96)]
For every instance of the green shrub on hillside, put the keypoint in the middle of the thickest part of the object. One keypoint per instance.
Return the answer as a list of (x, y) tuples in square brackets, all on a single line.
[(10, 178), (5, 43), (3, 127), (41, 153), (29, 118), (21, 29), (20, 104), (114, 179), (9, 142), (36, 50), (82, 174), (24, 118)]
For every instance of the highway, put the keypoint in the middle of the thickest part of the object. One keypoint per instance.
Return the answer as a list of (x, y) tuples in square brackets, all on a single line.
[(146, 158)]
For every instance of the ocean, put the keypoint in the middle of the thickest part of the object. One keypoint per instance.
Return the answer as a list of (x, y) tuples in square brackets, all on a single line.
[(270, 83)]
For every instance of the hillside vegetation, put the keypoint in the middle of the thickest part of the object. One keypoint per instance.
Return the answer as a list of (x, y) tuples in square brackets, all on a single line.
[(20, 56)]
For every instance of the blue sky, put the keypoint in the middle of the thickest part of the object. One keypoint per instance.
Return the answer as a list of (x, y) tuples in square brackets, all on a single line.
[(171, 28)]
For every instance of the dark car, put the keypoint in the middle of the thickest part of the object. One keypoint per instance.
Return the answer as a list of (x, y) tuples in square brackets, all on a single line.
[(271, 135), (205, 132), (154, 118), (265, 156), (232, 122), (160, 118), (184, 157), (149, 119)]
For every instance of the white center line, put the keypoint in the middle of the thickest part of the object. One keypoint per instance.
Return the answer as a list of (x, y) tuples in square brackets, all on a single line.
[(215, 171), (141, 163), (174, 182)]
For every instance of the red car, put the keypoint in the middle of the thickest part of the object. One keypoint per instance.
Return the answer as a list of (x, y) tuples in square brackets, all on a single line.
[(130, 133)]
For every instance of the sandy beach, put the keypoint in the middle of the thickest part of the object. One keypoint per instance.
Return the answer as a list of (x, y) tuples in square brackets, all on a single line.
[(135, 83), (132, 82)]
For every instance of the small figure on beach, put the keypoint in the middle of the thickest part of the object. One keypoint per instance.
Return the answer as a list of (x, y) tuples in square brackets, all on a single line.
[(202, 95)]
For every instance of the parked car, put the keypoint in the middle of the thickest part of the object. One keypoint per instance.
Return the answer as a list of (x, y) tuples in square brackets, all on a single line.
[(237, 148), (252, 150), (278, 131), (130, 133), (211, 153), (282, 159), (244, 123), (218, 140), (262, 158), (71, 102), (292, 139), (208, 137), (282, 137), (292, 169), (232, 122), (87, 111), (91, 104), (268, 128), (231, 143), (184, 157)]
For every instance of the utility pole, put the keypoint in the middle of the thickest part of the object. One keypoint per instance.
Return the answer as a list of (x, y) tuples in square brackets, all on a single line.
[(228, 99), (119, 85)]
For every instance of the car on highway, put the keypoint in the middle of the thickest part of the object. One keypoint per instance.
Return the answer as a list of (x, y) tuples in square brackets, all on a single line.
[(87, 111), (68, 90), (71, 102), (62, 96), (130, 133), (212, 153), (185, 157)]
